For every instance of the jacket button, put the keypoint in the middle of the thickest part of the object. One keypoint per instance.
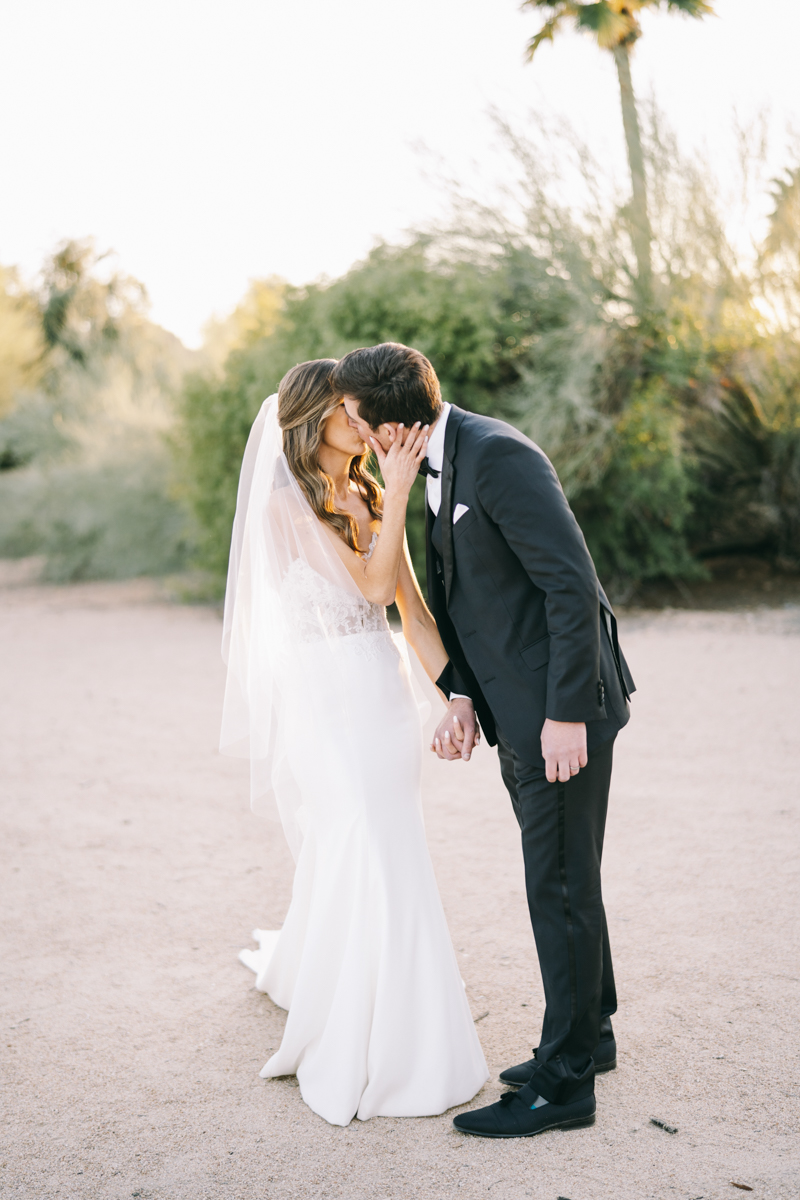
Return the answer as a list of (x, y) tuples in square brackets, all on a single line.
[(601, 693)]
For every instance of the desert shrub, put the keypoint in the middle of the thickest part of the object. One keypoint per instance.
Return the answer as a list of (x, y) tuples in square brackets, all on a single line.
[(86, 478), (216, 418), (635, 517), (110, 520), (748, 452), (674, 430), (21, 340)]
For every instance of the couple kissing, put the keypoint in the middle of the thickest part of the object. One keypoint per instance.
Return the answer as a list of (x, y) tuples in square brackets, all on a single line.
[(519, 639)]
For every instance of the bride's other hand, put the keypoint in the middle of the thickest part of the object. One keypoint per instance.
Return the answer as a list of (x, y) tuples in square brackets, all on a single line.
[(457, 733), (401, 462)]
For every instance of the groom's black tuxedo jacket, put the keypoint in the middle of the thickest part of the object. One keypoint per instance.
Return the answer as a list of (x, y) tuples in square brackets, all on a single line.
[(525, 622)]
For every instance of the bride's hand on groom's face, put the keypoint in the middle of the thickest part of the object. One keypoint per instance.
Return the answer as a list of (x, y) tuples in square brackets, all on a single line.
[(457, 733), (400, 463)]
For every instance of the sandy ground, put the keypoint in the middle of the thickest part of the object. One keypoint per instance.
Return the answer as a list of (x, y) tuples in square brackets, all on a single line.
[(134, 873)]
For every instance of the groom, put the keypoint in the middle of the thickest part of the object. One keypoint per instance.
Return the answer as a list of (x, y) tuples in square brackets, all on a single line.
[(533, 650)]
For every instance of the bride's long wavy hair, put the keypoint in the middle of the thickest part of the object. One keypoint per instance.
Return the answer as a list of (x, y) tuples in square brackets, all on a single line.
[(306, 398)]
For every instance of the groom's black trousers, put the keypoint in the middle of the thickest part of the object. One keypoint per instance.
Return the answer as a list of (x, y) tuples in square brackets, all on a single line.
[(562, 827)]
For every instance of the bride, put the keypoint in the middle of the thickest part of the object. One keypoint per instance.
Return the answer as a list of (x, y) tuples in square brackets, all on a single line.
[(319, 698)]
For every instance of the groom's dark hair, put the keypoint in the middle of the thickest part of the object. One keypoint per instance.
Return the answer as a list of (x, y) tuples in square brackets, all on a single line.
[(391, 382)]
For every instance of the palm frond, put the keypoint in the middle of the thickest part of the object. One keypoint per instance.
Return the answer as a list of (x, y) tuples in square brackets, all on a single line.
[(692, 8), (610, 23), (545, 34), (784, 220)]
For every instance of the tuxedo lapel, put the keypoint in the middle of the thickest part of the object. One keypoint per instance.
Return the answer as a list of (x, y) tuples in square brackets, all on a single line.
[(434, 528), (448, 483), (446, 515)]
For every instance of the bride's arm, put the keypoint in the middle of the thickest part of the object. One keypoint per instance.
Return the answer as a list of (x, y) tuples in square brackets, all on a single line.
[(377, 576), (420, 632), (419, 627)]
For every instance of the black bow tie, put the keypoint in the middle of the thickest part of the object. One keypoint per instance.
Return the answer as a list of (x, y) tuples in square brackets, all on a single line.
[(426, 469)]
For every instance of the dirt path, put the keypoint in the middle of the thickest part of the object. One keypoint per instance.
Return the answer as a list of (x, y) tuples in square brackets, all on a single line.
[(134, 873)]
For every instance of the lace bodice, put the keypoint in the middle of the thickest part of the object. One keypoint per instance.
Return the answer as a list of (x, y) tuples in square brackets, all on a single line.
[(318, 608)]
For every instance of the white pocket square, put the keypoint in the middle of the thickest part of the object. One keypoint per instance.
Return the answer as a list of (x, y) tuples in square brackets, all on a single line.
[(459, 511)]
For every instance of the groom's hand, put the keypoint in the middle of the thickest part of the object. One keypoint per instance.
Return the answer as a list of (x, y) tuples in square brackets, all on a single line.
[(457, 732), (564, 749)]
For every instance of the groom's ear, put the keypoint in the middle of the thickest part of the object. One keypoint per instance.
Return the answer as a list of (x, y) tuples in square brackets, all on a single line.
[(385, 434)]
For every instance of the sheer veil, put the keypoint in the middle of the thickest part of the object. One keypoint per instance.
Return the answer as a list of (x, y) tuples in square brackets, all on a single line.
[(290, 606)]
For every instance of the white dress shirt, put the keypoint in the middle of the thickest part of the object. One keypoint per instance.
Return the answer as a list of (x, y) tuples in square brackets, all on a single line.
[(433, 487)]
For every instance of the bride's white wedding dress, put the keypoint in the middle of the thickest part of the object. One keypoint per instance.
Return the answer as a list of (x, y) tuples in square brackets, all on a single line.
[(378, 1021)]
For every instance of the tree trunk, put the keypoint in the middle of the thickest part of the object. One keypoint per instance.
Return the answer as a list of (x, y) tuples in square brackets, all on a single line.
[(640, 222)]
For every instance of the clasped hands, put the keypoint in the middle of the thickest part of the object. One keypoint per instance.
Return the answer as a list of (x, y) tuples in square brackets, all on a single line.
[(563, 742), (458, 732)]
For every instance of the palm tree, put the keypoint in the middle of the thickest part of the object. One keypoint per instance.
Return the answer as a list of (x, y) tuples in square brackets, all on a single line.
[(615, 27)]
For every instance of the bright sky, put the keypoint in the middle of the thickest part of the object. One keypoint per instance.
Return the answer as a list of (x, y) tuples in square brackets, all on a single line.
[(209, 143)]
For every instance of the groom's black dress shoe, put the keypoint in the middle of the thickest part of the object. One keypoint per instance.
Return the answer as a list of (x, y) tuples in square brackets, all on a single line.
[(512, 1116), (605, 1059)]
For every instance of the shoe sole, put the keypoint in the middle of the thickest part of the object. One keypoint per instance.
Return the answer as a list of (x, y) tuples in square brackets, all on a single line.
[(609, 1066), (574, 1123)]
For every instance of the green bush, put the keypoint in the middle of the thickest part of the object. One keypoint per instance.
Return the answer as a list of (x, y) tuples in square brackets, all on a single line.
[(748, 452), (635, 520), (86, 477), (114, 520), (216, 419)]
